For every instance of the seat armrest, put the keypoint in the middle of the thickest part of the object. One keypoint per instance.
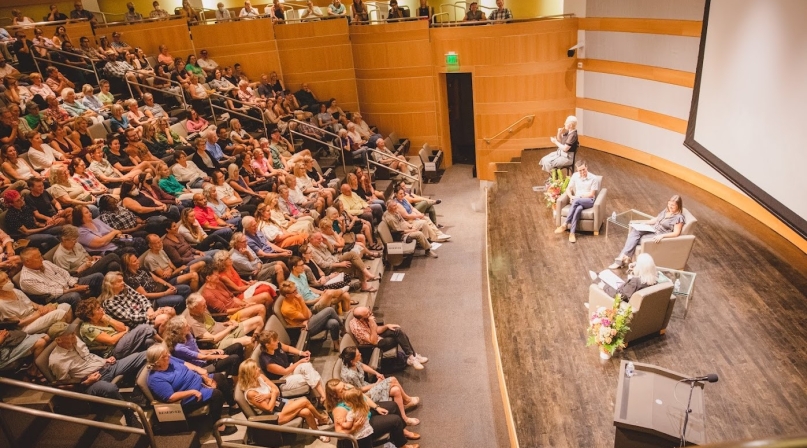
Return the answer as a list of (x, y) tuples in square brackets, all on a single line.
[(279, 381), (264, 419), (220, 317), (375, 359), (597, 298), (302, 340)]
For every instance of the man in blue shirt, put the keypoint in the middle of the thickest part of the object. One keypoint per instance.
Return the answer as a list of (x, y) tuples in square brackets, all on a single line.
[(214, 149), (259, 244), (315, 299)]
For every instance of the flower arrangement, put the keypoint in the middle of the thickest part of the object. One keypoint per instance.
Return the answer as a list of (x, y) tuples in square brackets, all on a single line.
[(608, 327), (555, 186)]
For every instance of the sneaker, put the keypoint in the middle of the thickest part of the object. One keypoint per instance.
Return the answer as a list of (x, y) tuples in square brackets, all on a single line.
[(561, 228), (572, 238), (618, 263), (431, 254), (443, 238), (412, 361), (593, 276), (586, 305), (422, 359)]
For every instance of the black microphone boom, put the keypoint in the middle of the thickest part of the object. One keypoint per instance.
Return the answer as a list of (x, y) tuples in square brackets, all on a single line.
[(712, 378)]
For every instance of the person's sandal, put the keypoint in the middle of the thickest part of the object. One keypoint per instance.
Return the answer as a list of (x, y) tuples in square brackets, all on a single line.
[(411, 421)]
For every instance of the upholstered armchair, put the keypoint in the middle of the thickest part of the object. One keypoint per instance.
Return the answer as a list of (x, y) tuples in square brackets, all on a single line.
[(672, 253), (591, 219), (652, 308)]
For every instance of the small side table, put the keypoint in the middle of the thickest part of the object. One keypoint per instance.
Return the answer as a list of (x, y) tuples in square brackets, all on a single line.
[(687, 287), (624, 219)]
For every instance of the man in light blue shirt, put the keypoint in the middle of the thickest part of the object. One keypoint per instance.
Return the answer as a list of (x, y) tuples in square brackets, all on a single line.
[(315, 299), (213, 148)]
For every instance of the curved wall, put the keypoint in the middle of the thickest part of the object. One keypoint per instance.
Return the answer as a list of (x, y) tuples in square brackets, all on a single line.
[(635, 88)]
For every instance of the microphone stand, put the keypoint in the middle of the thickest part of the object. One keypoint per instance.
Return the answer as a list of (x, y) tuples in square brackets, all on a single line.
[(686, 415)]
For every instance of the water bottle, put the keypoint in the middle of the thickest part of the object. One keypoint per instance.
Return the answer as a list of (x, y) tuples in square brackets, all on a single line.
[(613, 216), (677, 285), (630, 369)]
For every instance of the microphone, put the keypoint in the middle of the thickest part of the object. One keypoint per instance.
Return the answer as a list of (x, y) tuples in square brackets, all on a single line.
[(711, 377)]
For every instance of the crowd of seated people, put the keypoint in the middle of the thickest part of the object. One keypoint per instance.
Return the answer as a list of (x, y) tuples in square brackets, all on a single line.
[(171, 251)]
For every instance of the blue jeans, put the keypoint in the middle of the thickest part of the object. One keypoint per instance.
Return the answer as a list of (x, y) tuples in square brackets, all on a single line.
[(576, 209)]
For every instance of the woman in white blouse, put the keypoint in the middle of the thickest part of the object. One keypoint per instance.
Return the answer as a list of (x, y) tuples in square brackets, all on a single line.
[(42, 156)]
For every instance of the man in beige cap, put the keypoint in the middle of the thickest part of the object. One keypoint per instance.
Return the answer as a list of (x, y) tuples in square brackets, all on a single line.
[(72, 362)]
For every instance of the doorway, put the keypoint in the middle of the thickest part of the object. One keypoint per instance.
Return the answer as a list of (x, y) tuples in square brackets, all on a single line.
[(460, 95)]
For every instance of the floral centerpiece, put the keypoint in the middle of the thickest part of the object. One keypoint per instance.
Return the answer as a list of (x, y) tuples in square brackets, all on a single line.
[(555, 186), (608, 327)]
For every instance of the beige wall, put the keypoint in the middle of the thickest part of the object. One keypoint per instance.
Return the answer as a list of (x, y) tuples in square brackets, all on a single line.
[(518, 69), (394, 75)]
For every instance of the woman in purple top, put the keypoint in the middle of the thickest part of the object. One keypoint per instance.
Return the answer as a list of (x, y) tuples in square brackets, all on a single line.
[(170, 380), (95, 235), (180, 340), (668, 224)]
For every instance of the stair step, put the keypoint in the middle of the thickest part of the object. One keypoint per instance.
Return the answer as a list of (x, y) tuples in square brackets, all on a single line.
[(516, 159)]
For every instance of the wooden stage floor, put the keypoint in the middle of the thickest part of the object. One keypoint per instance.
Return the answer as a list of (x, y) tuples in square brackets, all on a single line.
[(746, 322)]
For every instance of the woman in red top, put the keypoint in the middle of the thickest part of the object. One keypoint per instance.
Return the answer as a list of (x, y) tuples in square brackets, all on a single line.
[(253, 292)]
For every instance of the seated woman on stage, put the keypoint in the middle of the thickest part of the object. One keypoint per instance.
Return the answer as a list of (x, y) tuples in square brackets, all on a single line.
[(566, 141), (644, 274), (668, 224)]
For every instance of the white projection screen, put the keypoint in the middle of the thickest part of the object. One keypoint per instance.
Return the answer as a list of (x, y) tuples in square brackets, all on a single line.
[(749, 106)]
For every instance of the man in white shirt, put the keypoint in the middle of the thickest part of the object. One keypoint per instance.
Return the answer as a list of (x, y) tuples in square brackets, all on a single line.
[(156, 261), (44, 279), (207, 64), (14, 304), (72, 362), (248, 12), (222, 13), (582, 190)]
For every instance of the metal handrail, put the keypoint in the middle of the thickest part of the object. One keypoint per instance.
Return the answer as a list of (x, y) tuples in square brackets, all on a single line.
[(434, 17), (276, 428), (339, 149), (418, 180), (103, 14), (38, 24), (454, 10), (510, 128), (49, 62), (157, 89), (143, 20), (146, 430), (499, 21), (213, 108)]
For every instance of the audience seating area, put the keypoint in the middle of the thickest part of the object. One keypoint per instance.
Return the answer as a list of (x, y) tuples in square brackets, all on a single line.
[(193, 185)]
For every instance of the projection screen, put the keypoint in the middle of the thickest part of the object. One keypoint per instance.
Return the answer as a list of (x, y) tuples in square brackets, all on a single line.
[(749, 106)]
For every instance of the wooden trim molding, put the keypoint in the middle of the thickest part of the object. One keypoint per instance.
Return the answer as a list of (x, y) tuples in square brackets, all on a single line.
[(689, 28), (738, 199), (660, 74), (497, 355), (634, 113)]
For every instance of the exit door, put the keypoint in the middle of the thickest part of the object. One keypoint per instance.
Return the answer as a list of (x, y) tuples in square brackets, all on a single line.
[(460, 94)]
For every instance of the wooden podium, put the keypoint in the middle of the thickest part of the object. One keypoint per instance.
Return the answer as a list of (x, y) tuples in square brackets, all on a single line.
[(650, 406)]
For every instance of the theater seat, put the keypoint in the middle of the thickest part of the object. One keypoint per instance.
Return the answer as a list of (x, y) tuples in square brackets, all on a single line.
[(672, 253), (274, 324), (262, 437)]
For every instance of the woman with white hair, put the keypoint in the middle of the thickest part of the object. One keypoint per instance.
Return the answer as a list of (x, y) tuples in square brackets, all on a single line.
[(135, 116), (566, 141), (77, 109), (644, 274), (171, 380)]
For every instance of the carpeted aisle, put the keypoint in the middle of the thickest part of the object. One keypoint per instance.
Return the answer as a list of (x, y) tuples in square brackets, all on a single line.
[(442, 304)]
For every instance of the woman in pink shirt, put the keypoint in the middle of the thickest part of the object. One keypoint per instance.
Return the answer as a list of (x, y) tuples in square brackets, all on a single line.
[(196, 123)]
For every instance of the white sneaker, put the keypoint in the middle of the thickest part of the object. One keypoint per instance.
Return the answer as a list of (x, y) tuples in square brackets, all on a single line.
[(593, 275), (443, 237), (412, 361), (421, 359), (586, 305)]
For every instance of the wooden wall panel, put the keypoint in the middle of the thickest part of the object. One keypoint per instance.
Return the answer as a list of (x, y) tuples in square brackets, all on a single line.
[(320, 54), (691, 28), (150, 35), (518, 69), (249, 42), (394, 76), (634, 113), (660, 74)]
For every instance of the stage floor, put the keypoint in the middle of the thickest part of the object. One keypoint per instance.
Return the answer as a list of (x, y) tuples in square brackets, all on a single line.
[(746, 322)]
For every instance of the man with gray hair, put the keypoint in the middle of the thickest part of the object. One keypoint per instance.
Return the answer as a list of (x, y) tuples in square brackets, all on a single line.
[(351, 262), (154, 110), (43, 279), (409, 232), (223, 334), (247, 262)]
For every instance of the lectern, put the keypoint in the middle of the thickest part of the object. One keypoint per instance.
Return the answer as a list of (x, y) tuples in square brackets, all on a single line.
[(650, 407)]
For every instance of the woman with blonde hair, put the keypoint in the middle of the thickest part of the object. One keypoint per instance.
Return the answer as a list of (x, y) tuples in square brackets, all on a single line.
[(273, 231), (264, 397), (339, 243), (195, 235), (295, 225), (306, 184)]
